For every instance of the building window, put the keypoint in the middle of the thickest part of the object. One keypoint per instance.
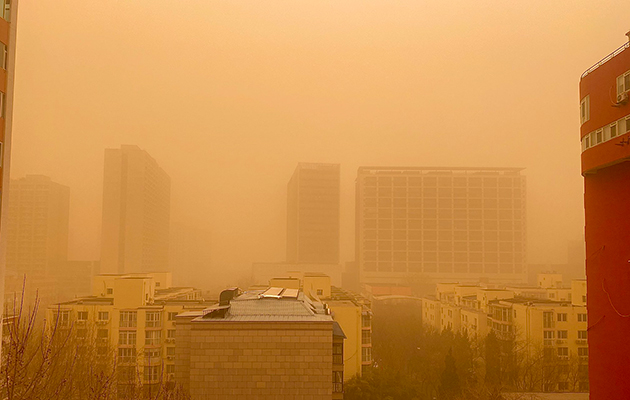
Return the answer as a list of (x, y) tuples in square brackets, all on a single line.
[(5, 55), (366, 320), (548, 319), (170, 334), (82, 315), (152, 354), (563, 334), (563, 351), (110, 291), (628, 124), (585, 112), (127, 355), (338, 353), (581, 317), (170, 368), (127, 338), (151, 373), (6, 10), (320, 292), (366, 337), (172, 315), (583, 351), (103, 315), (126, 374), (152, 338), (81, 333), (562, 317), (582, 335), (154, 319), (170, 351), (128, 319), (337, 381), (366, 354), (63, 318), (623, 85), (613, 130), (599, 136)]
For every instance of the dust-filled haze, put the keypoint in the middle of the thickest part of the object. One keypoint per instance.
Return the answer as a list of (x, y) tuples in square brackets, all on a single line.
[(228, 96)]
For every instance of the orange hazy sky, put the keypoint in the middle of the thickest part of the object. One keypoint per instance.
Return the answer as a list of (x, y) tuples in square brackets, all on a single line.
[(228, 96)]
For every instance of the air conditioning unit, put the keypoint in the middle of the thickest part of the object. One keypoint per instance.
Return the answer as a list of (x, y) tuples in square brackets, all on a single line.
[(101, 322), (622, 98), (170, 340), (170, 358)]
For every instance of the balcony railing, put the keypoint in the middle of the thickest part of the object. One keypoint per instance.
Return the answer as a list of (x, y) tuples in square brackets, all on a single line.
[(606, 59)]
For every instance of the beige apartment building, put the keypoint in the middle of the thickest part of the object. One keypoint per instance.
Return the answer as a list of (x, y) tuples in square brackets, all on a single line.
[(37, 237), (260, 344), (136, 212), (456, 224), (548, 322), (134, 316)]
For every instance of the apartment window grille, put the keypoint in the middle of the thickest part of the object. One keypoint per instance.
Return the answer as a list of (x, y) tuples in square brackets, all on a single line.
[(366, 337), (170, 368), (151, 373), (366, 354), (172, 315), (563, 334), (127, 338), (585, 112), (562, 317), (563, 351), (154, 319), (548, 321), (337, 353), (152, 354), (152, 338), (338, 381), (63, 318), (582, 335), (127, 355), (581, 317), (583, 351), (82, 315), (128, 319), (170, 334), (103, 315)]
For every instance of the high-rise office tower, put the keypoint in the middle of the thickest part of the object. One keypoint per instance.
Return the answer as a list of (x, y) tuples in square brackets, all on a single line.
[(136, 212), (605, 136), (313, 214), (461, 224), (37, 235)]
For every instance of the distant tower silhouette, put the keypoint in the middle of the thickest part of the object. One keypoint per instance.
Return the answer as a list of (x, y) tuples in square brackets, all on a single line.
[(313, 214), (136, 212)]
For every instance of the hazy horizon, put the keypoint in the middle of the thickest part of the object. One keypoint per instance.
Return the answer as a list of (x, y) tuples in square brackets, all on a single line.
[(229, 96)]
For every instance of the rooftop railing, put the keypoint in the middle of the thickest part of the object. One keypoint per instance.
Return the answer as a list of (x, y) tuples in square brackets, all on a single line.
[(606, 59)]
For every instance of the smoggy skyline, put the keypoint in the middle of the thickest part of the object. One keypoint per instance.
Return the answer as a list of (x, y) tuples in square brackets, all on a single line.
[(229, 96)]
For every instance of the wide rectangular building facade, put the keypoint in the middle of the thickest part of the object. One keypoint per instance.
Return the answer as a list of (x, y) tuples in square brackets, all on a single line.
[(313, 214), (449, 223)]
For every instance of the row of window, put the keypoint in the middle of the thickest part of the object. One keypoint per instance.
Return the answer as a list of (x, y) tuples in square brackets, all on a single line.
[(606, 133), (443, 181), (582, 335), (128, 319), (474, 237), (461, 202), (443, 267), (151, 338)]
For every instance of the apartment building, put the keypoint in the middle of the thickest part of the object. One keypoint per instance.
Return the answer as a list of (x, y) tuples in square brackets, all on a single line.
[(605, 138), (265, 344), (458, 224), (134, 316), (352, 311)]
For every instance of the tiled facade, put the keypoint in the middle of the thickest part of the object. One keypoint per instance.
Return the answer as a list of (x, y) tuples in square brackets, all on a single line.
[(255, 347)]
